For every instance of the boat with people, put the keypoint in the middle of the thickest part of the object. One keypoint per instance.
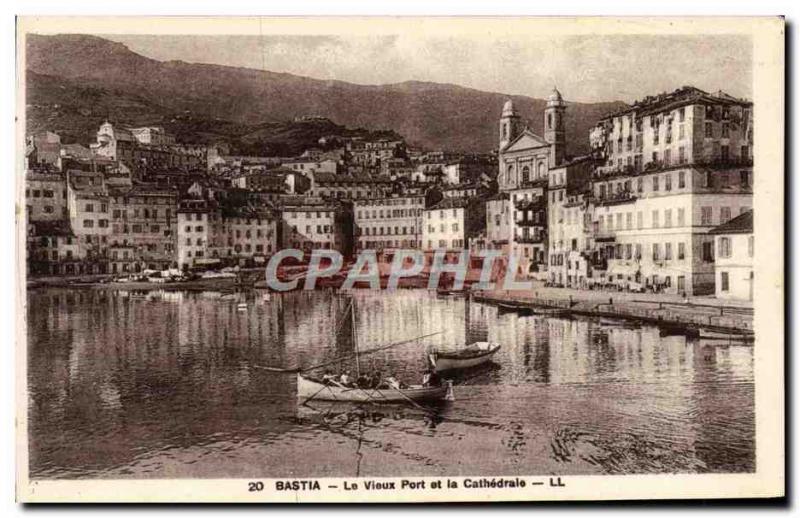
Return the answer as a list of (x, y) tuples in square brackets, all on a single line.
[(310, 388), (473, 355)]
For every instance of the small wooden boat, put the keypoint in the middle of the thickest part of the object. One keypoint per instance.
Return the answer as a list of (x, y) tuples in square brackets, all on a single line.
[(471, 356), (672, 329), (552, 312), (513, 307), (308, 388)]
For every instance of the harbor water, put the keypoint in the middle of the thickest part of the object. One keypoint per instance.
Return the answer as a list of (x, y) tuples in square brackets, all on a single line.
[(125, 384)]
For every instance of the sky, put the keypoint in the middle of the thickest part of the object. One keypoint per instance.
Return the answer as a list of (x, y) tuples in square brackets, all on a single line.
[(584, 68)]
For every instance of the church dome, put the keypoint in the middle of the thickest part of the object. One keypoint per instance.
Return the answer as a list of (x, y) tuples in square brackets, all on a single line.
[(508, 108)]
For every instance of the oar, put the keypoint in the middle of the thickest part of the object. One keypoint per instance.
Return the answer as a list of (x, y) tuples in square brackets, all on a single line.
[(342, 358)]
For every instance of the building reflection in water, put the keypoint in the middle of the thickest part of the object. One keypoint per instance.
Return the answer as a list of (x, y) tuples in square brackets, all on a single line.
[(118, 377)]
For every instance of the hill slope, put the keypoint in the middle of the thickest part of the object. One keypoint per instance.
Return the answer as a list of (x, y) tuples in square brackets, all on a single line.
[(426, 114)]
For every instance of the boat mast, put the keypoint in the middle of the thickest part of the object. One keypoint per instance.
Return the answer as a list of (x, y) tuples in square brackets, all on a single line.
[(355, 333)]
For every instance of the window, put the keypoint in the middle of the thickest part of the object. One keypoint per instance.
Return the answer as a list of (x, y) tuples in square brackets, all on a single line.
[(640, 185), (629, 220), (706, 214), (655, 219), (639, 220), (724, 281), (681, 132), (708, 252), (682, 114), (681, 155), (667, 251), (668, 182), (638, 251), (681, 251), (745, 152), (681, 179), (681, 217), (750, 246), (725, 130), (628, 251), (724, 248), (668, 157), (724, 215), (655, 183), (724, 152), (667, 218), (656, 252), (89, 206), (744, 178), (709, 130), (88, 223)]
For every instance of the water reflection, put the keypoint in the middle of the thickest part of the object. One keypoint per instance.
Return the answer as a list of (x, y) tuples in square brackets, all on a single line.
[(165, 384)]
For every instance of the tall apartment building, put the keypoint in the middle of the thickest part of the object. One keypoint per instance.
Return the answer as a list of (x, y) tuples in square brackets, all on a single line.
[(675, 166), (314, 223), (212, 233), (143, 228), (389, 223)]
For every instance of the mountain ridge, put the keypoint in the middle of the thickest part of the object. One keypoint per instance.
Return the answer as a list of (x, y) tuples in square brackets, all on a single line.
[(428, 114)]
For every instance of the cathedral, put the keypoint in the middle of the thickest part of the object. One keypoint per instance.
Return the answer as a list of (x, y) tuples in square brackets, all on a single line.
[(525, 159)]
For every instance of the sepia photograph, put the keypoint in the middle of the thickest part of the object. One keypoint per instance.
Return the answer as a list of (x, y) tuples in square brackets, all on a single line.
[(398, 259)]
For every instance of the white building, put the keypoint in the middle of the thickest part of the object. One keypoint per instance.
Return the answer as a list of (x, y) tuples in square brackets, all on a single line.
[(733, 269), (389, 223)]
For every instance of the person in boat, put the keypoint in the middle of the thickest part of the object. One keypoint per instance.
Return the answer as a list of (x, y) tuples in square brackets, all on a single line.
[(376, 381), (345, 380), (431, 379), (363, 381), (328, 378)]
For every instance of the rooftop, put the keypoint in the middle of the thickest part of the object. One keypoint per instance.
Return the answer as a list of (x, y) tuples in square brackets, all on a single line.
[(741, 224), (681, 97)]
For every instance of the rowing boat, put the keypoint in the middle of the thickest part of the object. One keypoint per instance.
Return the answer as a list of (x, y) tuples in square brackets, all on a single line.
[(471, 356), (308, 388)]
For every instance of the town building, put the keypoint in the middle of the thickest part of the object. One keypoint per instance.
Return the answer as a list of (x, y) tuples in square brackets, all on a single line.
[(306, 164), (213, 232), (53, 249), (88, 209), (348, 186), (389, 223), (143, 228), (569, 242), (309, 223), (674, 167), (733, 266), (152, 135), (685, 127), (452, 223), (45, 194)]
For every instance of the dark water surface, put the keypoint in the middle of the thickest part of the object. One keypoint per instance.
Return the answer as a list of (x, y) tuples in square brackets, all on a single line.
[(164, 385)]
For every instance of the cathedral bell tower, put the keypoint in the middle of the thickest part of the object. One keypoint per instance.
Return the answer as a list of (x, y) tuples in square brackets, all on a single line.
[(510, 125), (554, 132)]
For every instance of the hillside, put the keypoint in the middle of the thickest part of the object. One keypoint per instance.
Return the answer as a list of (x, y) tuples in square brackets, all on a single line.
[(232, 102)]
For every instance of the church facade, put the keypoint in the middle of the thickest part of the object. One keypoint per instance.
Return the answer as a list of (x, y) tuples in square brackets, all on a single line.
[(524, 160)]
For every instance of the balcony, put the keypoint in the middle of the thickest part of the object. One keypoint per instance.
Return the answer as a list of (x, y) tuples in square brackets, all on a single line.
[(605, 236), (530, 239), (617, 198)]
